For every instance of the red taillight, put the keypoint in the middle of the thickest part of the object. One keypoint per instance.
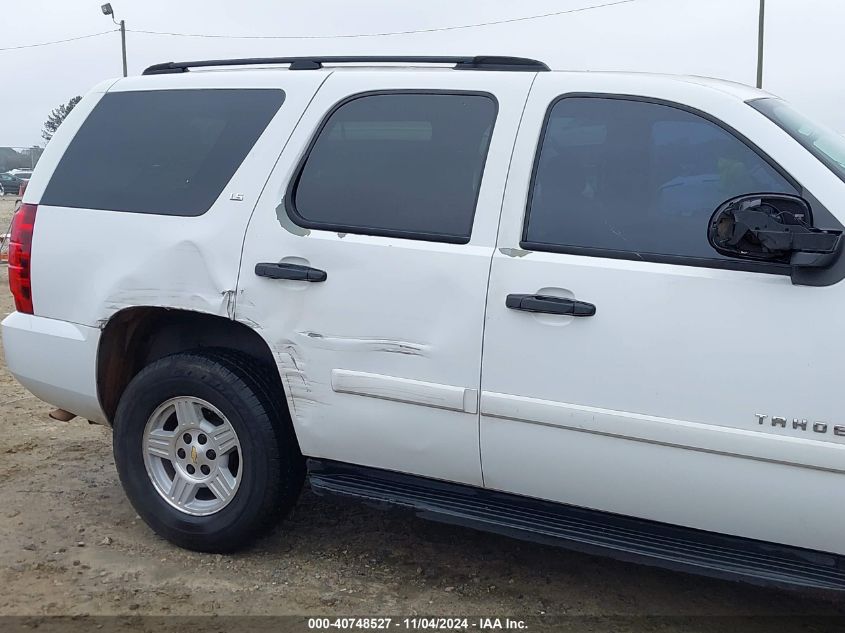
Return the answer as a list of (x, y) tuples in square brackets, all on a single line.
[(20, 257)]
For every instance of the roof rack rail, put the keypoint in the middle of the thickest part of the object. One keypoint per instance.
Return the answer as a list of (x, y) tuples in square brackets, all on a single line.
[(486, 62)]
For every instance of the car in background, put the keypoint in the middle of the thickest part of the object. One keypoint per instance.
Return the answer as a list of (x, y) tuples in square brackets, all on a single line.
[(10, 183), (24, 173)]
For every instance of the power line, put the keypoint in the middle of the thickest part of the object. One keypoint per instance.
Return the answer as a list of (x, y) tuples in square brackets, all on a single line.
[(386, 33), (330, 37), (70, 39)]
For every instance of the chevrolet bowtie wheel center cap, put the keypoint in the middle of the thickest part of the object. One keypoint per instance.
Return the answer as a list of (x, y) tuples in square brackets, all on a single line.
[(192, 455)]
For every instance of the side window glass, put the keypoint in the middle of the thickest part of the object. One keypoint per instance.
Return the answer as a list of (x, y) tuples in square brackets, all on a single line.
[(635, 177), (401, 164), (168, 152)]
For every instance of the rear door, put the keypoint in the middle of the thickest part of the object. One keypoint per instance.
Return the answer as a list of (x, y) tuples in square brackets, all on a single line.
[(366, 262), (685, 387)]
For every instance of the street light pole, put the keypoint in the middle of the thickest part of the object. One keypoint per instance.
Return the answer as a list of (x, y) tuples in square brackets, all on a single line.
[(123, 44), (760, 39), (107, 10)]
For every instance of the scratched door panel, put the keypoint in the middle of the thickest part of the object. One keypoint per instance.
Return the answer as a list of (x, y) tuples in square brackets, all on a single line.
[(381, 361)]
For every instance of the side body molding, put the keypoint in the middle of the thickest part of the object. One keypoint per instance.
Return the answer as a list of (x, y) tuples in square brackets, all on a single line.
[(427, 394)]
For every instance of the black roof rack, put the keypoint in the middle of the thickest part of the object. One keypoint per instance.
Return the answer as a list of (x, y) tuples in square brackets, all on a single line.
[(313, 63)]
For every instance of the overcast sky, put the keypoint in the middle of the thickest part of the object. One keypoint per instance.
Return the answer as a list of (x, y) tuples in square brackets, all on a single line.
[(716, 38)]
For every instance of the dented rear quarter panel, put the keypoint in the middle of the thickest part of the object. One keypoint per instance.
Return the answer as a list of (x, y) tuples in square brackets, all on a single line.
[(88, 264)]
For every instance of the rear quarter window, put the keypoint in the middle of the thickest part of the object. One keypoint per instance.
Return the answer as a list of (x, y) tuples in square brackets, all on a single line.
[(164, 152)]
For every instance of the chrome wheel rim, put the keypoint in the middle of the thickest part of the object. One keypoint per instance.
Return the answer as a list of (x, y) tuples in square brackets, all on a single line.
[(192, 455)]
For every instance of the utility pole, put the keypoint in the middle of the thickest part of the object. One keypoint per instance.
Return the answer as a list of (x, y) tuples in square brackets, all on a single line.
[(760, 39), (107, 10)]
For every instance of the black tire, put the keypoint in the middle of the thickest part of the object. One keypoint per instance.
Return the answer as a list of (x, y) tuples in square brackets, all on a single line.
[(246, 394)]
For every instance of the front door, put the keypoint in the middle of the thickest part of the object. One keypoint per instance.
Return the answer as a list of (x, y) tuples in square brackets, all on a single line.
[(373, 240), (682, 387)]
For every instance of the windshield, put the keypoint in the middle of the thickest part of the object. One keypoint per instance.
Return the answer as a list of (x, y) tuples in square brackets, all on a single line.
[(821, 141)]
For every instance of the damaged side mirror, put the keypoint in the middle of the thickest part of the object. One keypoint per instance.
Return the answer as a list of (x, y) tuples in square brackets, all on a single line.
[(775, 228)]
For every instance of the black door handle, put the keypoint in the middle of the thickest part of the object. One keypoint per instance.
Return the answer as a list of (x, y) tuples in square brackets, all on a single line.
[(550, 305), (290, 271)]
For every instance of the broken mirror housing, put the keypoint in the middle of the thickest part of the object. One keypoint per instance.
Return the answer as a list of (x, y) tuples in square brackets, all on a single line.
[(774, 228)]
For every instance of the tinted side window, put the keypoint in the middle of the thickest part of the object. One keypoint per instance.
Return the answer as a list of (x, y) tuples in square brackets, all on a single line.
[(636, 177), (168, 152), (402, 164)]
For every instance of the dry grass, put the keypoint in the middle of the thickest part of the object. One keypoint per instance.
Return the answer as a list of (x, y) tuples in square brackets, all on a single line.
[(7, 209)]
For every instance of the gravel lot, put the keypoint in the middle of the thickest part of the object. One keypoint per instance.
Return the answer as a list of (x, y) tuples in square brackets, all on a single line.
[(71, 544)]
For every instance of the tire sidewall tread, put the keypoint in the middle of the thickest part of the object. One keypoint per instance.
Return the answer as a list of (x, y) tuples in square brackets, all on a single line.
[(273, 468)]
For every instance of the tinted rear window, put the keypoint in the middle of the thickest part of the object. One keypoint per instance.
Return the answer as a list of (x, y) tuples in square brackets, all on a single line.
[(167, 152)]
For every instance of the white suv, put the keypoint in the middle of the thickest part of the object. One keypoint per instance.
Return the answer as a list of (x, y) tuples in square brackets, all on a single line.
[(593, 309)]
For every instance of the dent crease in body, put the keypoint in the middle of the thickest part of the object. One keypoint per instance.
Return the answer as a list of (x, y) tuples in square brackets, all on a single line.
[(365, 344), (229, 299), (193, 279), (292, 373)]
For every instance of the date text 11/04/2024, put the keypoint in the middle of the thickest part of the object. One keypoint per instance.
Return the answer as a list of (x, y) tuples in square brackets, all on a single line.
[(417, 623)]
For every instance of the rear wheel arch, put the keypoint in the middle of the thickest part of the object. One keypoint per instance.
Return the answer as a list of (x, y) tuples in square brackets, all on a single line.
[(135, 337)]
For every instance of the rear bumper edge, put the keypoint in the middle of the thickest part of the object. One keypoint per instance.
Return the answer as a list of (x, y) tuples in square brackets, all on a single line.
[(56, 361)]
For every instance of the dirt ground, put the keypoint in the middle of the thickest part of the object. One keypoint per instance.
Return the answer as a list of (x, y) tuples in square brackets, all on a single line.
[(70, 544)]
